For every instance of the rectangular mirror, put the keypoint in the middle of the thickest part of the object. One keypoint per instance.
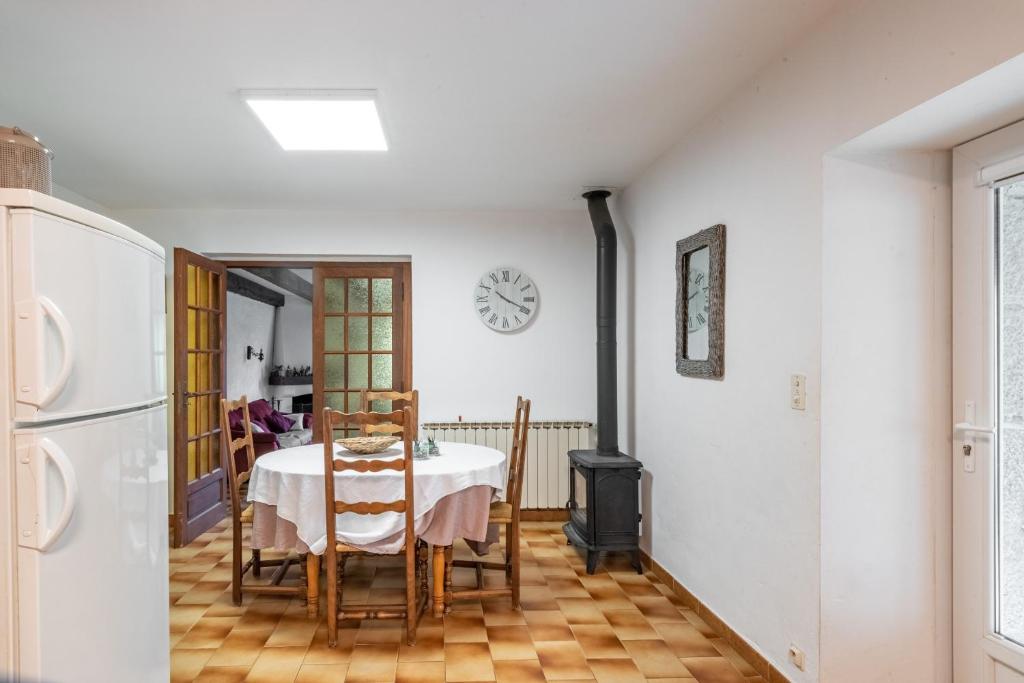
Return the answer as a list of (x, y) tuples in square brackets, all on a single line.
[(700, 304)]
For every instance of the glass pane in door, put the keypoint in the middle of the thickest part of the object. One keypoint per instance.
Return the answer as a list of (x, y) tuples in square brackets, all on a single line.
[(1009, 470), (359, 340)]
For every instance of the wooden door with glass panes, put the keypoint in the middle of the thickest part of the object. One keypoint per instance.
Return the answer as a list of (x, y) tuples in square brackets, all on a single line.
[(200, 295), (361, 335)]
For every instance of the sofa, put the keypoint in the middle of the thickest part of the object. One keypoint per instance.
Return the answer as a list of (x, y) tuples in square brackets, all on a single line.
[(272, 429)]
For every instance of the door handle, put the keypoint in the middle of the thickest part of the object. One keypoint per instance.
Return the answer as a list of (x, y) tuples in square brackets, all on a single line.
[(968, 428), (57, 456)]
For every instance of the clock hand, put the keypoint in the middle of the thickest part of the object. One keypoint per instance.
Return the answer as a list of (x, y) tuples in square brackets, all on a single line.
[(522, 308)]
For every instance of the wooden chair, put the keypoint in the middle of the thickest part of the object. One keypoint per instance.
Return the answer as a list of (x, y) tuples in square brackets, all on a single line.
[(411, 399), (337, 552), (240, 455), (502, 512)]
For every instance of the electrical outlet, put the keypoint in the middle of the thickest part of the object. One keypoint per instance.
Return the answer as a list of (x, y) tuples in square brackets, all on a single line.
[(796, 655), (798, 392)]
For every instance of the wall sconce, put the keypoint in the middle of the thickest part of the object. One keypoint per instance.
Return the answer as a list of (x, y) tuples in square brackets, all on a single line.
[(250, 352)]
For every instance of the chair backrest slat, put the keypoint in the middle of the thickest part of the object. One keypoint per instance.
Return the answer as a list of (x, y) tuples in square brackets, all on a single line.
[(409, 399)]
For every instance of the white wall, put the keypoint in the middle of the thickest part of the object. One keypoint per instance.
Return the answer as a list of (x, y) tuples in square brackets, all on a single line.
[(249, 323), (293, 344), (885, 416), (459, 365), (735, 473)]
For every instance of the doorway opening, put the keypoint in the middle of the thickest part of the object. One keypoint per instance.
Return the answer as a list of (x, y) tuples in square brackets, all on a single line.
[(293, 338)]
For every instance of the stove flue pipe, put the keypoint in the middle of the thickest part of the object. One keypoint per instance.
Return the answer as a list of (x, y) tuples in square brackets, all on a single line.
[(607, 391)]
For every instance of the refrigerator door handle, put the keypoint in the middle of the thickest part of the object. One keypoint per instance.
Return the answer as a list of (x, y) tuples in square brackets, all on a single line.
[(57, 456), (67, 342)]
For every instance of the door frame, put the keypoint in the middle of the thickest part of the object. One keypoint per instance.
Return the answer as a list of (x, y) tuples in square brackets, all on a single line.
[(178, 522), (977, 647)]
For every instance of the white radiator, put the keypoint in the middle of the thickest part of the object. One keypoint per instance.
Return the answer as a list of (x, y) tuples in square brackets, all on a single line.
[(547, 448)]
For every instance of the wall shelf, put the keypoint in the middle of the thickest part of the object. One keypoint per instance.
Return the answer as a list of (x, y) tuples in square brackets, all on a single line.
[(277, 380)]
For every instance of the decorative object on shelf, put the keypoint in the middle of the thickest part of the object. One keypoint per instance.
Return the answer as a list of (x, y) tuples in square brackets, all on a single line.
[(700, 304), (24, 161), (505, 299), (250, 352), (368, 445), (291, 375)]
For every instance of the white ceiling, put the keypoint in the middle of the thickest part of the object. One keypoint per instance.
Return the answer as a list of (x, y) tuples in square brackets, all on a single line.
[(486, 103)]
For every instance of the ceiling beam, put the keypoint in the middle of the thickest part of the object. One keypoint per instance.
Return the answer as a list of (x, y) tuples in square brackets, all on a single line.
[(286, 280), (253, 290)]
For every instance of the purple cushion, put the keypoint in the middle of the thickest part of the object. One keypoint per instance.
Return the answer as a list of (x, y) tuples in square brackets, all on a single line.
[(278, 423), (259, 410), (307, 420), (235, 420)]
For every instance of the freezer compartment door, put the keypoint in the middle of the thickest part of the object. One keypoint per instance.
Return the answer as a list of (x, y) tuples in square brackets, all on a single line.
[(92, 556), (89, 322)]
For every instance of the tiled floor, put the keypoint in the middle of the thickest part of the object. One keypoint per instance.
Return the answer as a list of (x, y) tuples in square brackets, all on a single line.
[(613, 626)]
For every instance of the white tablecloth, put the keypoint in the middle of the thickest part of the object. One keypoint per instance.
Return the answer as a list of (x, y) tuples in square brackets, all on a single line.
[(292, 480)]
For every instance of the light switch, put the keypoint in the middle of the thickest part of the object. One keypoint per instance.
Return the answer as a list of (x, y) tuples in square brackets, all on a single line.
[(798, 392)]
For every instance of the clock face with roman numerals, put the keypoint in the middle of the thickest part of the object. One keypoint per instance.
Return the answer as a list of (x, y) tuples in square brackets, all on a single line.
[(505, 299)]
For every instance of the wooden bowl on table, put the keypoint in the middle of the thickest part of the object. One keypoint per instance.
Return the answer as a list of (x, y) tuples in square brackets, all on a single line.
[(368, 445)]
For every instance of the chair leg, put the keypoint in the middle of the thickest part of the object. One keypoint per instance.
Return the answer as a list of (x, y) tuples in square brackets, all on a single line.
[(448, 552), (508, 551), (332, 600), (256, 563), (512, 544), (236, 563), (411, 586), (423, 562)]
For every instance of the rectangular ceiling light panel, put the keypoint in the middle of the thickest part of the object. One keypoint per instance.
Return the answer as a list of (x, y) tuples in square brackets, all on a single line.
[(321, 120)]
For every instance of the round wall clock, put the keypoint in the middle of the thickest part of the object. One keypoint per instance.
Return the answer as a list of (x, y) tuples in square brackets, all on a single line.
[(505, 299)]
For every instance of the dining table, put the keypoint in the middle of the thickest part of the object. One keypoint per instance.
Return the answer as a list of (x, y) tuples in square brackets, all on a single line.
[(453, 491)]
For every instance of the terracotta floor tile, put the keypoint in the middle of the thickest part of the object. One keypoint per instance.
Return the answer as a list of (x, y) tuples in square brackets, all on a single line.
[(429, 646), (186, 664), (630, 625), (598, 641), (240, 648), (563, 661), (713, 670), (468, 662), (208, 633), (510, 642), (293, 631), (381, 631), (276, 664), (322, 673), (699, 624), (223, 674), (615, 671), (567, 588), (548, 625), (373, 663), (518, 671), (657, 608), (581, 611), (464, 628), (655, 659), (420, 672), (685, 640), (341, 653)]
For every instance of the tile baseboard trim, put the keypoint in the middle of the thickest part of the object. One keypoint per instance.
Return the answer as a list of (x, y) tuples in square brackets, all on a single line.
[(768, 672)]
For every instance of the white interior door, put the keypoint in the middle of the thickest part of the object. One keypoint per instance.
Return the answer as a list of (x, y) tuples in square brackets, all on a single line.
[(988, 408)]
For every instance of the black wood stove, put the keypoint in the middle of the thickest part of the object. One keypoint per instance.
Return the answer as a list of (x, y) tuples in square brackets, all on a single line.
[(604, 483)]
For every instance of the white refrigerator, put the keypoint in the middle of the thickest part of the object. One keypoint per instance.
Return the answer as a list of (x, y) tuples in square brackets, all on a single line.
[(83, 489)]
